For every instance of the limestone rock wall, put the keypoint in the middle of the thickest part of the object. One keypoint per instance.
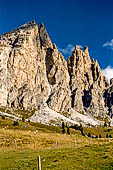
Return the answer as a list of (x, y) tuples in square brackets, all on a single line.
[(87, 83), (23, 82), (108, 97), (58, 77), (33, 72)]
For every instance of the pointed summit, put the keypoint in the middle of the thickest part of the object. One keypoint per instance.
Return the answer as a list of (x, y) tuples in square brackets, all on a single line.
[(111, 81), (54, 46), (28, 25), (44, 37), (77, 47), (86, 50)]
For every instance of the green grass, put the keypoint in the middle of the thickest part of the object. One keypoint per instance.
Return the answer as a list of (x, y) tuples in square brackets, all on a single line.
[(8, 124), (103, 131), (21, 113), (95, 157)]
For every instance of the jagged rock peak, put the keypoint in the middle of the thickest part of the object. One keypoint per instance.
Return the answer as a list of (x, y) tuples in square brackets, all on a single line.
[(54, 46), (92, 60), (44, 37), (28, 25), (111, 81), (41, 24), (81, 51), (33, 73), (86, 49), (77, 47), (87, 83)]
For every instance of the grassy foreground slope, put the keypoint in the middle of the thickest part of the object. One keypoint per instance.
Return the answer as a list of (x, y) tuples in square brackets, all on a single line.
[(84, 158), (21, 144)]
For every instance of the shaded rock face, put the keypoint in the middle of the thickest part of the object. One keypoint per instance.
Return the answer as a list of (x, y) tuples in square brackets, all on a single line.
[(58, 78), (108, 96), (33, 72)]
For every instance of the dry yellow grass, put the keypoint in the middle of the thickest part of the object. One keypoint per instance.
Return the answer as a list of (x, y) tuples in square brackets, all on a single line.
[(19, 139), (37, 136)]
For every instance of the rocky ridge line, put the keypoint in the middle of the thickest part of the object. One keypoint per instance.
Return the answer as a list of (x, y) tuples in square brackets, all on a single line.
[(34, 73)]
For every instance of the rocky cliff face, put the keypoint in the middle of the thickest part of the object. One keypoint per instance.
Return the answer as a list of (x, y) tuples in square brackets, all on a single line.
[(108, 96), (58, 78), (32, 70), (33, 73), (87, 83), (23, 77)]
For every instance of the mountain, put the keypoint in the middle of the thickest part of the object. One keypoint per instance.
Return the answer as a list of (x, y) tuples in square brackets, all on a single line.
[(35, 76)]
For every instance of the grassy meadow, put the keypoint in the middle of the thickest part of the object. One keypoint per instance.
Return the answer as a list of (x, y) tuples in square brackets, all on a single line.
[(94, 157), (20, 146)]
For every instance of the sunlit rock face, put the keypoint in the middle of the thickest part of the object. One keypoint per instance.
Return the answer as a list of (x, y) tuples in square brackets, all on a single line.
[(33, 72), (87, 83), (24, 82)]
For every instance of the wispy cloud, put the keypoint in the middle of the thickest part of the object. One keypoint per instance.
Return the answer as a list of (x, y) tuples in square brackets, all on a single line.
[(81, 46), (108, 72), (109, 44), (68, 50)]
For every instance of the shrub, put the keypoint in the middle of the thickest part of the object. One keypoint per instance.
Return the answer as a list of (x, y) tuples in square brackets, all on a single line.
[(23, 119), (82, 132), (89, 124), (107, 130), (100, 136), (107, 136), (76, 127), (15, 123), (3, 117), (110, 136), (89, 135), (80, 127), (105, 124), (28, 121)]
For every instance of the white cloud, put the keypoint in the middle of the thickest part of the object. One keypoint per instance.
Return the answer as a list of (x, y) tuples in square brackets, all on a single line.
[(68, 50), (108, 72), (81, 46), (109, 44)]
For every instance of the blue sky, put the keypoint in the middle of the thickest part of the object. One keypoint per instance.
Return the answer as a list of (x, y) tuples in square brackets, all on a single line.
[(68, 22)]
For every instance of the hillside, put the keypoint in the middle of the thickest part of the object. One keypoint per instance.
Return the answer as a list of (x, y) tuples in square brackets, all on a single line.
[(20, 144)]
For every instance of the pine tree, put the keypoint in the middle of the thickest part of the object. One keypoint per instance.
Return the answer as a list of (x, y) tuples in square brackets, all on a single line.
[(82, 132), (105, 124), (68, 131), (110, 136), (89, 135), (100, 136), (23, 119), (63, 127), (107, 136)]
